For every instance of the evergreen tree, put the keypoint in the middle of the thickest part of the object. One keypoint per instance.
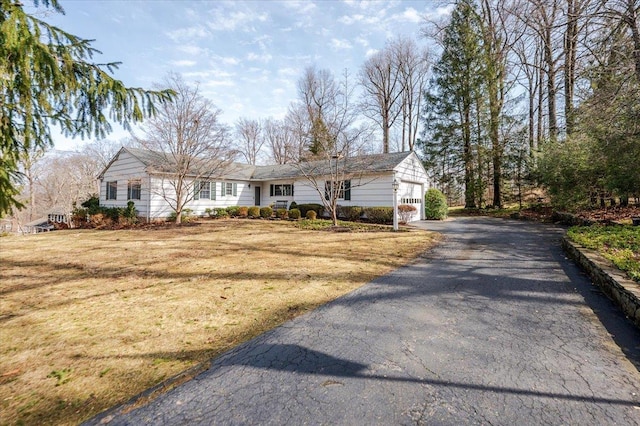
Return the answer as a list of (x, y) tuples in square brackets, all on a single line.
[(48, 80), (454, 105)]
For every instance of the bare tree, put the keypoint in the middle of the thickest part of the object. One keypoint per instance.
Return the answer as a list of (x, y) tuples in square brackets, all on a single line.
[(190, 144), (319, 92), (332, 170), (102, 150), (383, 91), (412, 65), (250, 134), (280, 140)]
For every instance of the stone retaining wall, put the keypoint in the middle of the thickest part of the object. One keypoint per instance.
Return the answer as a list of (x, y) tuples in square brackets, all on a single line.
[(623, 291)]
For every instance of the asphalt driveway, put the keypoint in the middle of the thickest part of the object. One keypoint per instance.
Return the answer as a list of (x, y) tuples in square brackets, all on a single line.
[(495, 326)]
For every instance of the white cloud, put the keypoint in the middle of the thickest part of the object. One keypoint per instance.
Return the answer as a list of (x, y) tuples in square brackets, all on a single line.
[(218, 83), (264, 57), (409, 15), (230, 21), (362, 41), (190, 49), (183, 63), (338, 44), (228, 60), (371, 52), (288, 72), (190, 33), (300, 6)]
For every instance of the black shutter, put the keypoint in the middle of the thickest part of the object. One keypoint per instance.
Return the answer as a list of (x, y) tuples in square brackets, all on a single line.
[(347, 190)]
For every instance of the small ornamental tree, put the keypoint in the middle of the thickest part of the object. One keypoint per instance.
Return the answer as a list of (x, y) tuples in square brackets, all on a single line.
[(406, 211), (435, 205)]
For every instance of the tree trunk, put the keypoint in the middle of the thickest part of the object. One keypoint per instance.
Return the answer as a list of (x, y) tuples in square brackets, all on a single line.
[(551, 85), (469, 193), (570, 42), (632, 20)]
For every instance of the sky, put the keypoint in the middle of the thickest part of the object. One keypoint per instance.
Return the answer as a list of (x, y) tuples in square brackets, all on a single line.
[(246, 56)]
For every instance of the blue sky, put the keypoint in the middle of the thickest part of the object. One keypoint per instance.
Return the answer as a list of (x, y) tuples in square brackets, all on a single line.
[(247, 56)]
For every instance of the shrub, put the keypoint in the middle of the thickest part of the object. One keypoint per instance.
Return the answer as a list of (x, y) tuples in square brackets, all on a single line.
[(234, 211), (435, 205), (350, 213), (266, 212), (311, 215), (221, 213), (294, 214), (293, 205), (282, 213), (187, 215), (254, 212), (405, 211), (92, 205), (243, 211), (304, 208), (381, 215)]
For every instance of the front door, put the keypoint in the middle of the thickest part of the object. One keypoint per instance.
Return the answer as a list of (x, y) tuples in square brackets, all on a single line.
[(257, 196)]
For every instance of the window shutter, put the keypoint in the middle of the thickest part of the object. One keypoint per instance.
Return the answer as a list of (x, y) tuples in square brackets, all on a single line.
[(222, 189), (347, 190), (235, 189), (271, 190), (213, 190), (292, 186), (196, 190)]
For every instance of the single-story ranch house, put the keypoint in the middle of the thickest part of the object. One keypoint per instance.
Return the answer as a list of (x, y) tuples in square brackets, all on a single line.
[(132, 175)]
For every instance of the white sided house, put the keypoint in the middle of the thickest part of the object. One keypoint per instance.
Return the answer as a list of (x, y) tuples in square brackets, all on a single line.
[(366, 181)]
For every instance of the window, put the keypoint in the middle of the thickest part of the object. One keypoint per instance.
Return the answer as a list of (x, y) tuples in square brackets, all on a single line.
[(343, 187), (410, 200), (204, 190), (284, 190), (229, 189), (134, 188), (112, 190)]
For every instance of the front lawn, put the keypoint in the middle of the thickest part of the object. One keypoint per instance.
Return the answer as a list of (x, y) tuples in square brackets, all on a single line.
[(620, 244), (91, 318)]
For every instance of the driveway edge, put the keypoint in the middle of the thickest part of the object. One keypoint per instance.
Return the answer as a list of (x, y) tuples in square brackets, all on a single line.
[(622, 290)]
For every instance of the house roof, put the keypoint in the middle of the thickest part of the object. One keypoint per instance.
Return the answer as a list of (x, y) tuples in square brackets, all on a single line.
[(361, 164)]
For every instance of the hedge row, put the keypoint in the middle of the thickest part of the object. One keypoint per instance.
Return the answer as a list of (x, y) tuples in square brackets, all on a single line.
[(379, 215)]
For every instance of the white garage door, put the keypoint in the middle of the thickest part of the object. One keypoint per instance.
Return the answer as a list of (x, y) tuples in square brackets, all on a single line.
[(411, 194)]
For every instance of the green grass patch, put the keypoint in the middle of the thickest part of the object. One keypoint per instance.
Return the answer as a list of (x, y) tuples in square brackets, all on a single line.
[(619, 244), (502, 212), (327, 225)]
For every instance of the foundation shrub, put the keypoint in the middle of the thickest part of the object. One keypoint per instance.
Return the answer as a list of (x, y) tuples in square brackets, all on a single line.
[(381, 215), (266, 212)]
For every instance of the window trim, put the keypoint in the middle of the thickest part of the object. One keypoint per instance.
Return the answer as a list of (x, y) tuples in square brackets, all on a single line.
[(111, 190), (229, 186), (198, 189), (281, 190), (344, 193), (134, 187)]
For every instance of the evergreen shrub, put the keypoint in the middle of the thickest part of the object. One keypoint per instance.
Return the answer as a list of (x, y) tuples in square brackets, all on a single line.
[(435, 205)]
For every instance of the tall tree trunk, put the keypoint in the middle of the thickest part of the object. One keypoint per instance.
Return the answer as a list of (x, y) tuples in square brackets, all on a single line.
[(540, 123), (469, 192), (570, 43), (631, 18), (551, 85)]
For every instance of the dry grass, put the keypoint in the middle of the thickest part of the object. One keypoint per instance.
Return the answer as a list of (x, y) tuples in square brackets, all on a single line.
[(90, 318)]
